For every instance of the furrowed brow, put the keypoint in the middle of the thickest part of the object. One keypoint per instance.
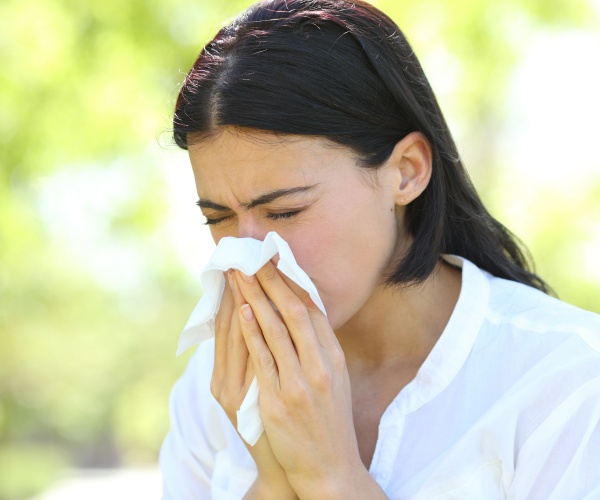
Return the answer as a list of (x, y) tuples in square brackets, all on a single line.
[(212, 205), (261, 200), (279, 193)]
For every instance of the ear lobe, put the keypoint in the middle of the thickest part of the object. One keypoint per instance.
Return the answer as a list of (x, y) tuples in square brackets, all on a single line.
[(411, 160)]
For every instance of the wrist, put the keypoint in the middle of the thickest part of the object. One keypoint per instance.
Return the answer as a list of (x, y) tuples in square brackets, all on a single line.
[(357, 483), (270, 489)]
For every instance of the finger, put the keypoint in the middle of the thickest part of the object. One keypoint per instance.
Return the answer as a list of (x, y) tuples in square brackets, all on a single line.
[(324, 333), (237, 352), (300, 292), (222, 324), (263, 362), (273, 327), (292, 310), (250, 374)]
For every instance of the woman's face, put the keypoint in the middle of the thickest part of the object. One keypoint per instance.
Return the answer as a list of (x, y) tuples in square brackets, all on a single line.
[(339, 220)]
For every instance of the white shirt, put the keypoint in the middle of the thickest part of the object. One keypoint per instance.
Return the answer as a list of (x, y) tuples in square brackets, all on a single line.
[(506, 405)]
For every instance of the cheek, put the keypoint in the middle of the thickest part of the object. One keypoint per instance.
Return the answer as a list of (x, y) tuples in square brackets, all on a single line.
[(345, 257), (315, 251), (336, 266), (317, 256), (310, 251)]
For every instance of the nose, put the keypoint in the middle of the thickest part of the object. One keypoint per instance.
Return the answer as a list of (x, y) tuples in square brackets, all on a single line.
[(250, 227)]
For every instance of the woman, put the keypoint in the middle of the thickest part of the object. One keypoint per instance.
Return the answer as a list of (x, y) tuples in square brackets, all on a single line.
[(442, 369)]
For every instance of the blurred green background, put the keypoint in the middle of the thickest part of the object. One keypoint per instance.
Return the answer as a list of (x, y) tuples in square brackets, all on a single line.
[(101, 245)]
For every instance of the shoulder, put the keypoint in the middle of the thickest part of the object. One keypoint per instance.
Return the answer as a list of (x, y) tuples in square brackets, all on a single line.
[(532, 315), (541, 359), (551, 354), (533, 350), (543, 354), (516, 327)]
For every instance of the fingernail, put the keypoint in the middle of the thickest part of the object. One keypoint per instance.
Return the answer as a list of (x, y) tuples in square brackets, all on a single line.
[(247, 312), (246, 278)]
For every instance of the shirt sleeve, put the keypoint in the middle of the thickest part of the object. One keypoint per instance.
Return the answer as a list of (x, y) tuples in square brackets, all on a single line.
[(561, 459), (187, 456)]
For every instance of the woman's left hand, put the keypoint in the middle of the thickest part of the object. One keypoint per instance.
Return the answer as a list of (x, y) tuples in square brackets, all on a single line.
[(305, 399)]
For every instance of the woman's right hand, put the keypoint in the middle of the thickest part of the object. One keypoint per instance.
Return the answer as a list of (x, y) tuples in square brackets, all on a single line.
[(231, 378)]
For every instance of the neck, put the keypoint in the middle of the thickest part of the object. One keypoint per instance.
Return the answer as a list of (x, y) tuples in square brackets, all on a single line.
[(398, 327)]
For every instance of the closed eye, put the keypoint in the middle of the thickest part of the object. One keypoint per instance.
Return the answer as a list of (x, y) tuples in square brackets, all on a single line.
[(272, 216), (284, 215), (210, 222)]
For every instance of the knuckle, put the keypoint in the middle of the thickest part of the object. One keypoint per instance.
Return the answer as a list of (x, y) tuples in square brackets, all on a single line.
[(234, 339), (321, 378), (278, 331), (228, 403), (251, 330), (220, 323), (266, 361), (268, 272), (295, 312), (271, 409), (298, 394), (253, 293)]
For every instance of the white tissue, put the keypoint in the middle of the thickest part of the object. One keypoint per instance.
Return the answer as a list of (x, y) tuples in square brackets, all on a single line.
[(248, 255)]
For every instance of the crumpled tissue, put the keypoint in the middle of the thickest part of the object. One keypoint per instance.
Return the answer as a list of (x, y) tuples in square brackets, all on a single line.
[(248, 255)]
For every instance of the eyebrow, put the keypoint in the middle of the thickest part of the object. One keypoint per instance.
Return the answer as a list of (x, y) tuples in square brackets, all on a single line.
[(260, 200)]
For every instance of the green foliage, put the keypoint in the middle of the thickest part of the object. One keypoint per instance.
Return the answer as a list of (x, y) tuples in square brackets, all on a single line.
[(28, 468), (92, 292)]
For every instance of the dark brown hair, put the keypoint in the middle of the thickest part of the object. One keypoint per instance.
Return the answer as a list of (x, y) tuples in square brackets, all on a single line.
[(344, 71)]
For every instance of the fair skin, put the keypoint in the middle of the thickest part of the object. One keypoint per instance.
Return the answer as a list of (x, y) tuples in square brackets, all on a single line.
[(324, 381)]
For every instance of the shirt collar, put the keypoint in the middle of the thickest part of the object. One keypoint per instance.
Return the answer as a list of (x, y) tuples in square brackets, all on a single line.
[(454, 345)]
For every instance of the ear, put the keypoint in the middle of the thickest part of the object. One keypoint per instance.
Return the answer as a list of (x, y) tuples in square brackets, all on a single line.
[(410, 164)]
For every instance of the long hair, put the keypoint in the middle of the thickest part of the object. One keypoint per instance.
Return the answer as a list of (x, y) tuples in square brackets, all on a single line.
[(344, 71)]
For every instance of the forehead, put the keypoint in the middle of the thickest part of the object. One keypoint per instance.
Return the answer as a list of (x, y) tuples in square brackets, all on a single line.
[(250, 159)]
